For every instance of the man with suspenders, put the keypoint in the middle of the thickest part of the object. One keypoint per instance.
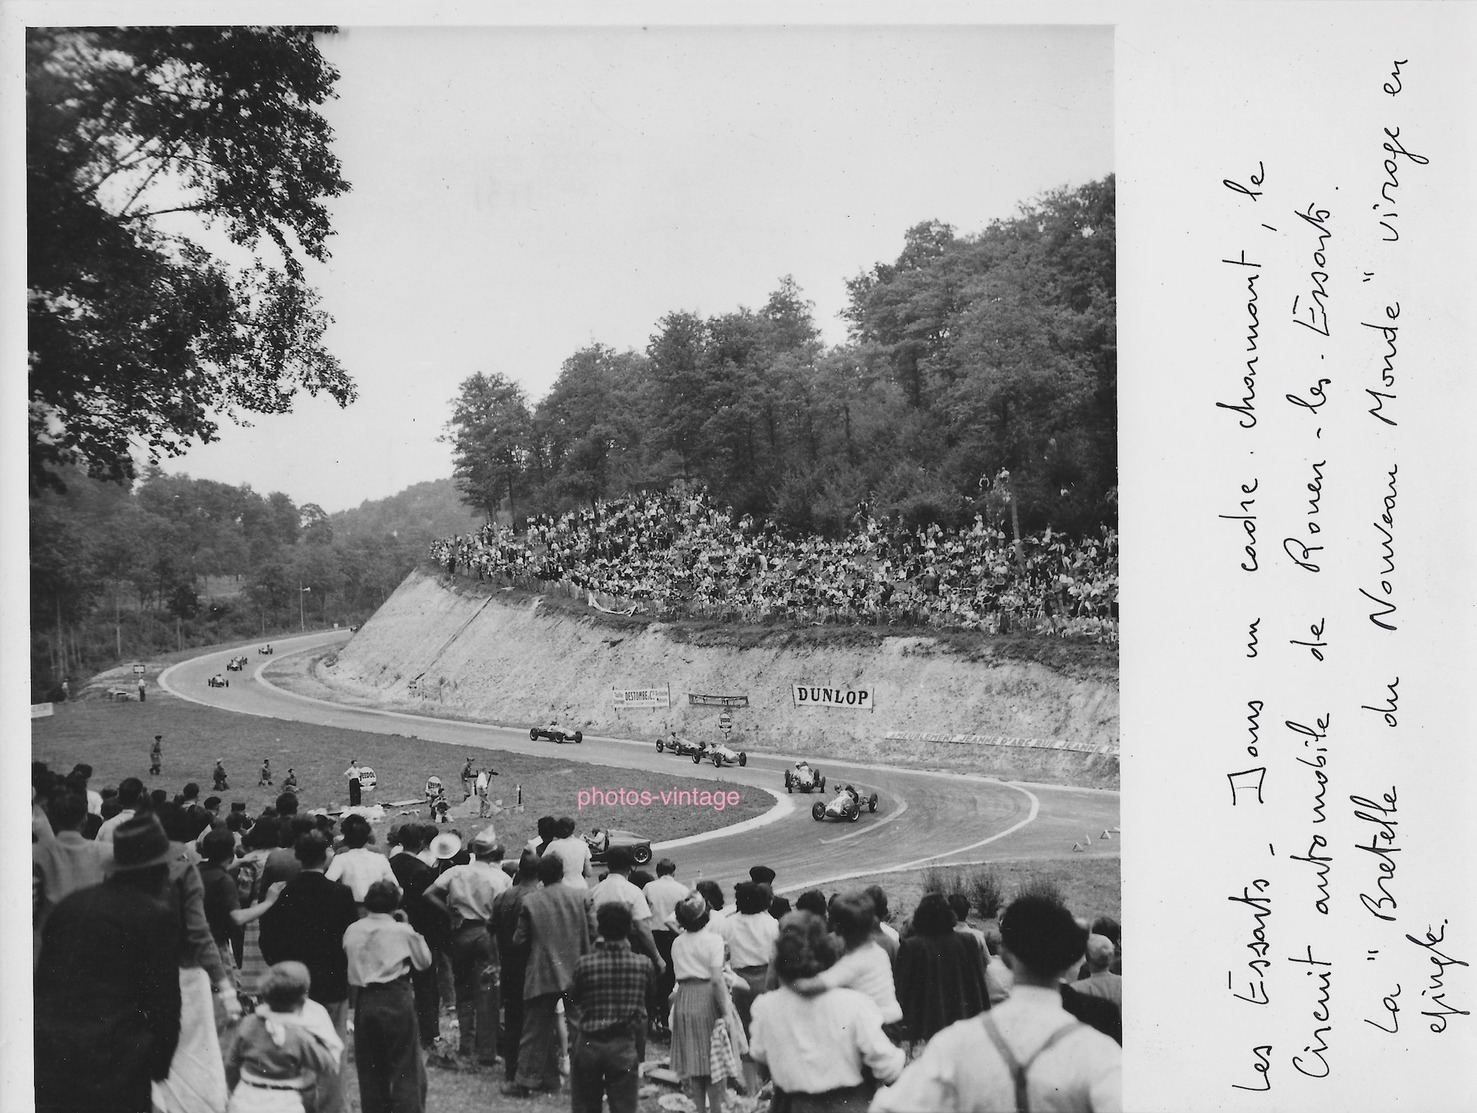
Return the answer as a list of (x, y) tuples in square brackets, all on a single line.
[(1027, 1054)]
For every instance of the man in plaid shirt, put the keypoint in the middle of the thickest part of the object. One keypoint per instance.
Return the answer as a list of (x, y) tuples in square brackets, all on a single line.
[(609, 995)]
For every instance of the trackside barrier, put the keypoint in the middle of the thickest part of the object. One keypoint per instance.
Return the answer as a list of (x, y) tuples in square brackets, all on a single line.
[(1001, 740)]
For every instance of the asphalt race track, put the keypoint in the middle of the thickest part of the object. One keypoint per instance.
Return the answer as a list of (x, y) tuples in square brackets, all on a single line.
[(922, 818)]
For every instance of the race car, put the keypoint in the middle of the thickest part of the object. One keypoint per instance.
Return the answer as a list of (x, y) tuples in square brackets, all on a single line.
[(218, 681), (804, 779), (600, 841), (265, 650), (555, 733), (720, 755), (236, 664), (682, 747), (847, 804)]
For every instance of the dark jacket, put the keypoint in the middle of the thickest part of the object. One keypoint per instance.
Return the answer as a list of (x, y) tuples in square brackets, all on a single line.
[(307, 925), (557, 924), (107, 999), (939, 980)]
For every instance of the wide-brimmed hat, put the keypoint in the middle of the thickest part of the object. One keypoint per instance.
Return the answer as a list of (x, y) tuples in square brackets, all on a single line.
[(446, 845), (483, 842), (138, 843)]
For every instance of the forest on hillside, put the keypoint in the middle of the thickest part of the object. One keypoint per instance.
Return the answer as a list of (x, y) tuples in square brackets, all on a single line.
[(979, 376), (173, 562)]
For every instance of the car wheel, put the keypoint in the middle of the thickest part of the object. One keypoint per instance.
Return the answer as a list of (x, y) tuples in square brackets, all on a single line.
[(817, 810), (743, 759), (697, 757), (660, 745), (788, 783), (641, 855), (855, 813), (579, 736), (872, 802), (533, 734), (717, 761), (823, 784)]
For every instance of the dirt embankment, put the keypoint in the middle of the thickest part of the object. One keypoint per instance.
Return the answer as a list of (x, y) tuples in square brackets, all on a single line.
[(453, 648)]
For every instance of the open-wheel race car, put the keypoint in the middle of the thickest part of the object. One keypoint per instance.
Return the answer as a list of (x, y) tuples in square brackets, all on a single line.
[(265, 650), (682, 747), (721, 754), (846, 804), (804, 779), (236, 664), (600, 842), (555, 733), (218, 681)]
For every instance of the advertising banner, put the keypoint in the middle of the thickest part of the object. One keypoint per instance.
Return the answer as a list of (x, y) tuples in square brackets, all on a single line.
[(696, 700), (816, 695), (641, 697)]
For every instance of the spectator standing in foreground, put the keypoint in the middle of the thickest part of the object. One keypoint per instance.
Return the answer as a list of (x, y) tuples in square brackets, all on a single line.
[(863, 967), (382, 949), (573, 852), (156, 756), (307, 925), (702, 1000), (197, 1081), (556, 925), (1101, 981), (143, 690), (356, 865), (130, 790), (506, 910), (940, 978), (415, 877), (352, 772), (107, 983), (62, 865), (609, 995), (278, 1053), (817, 1045), (465, 894), (662, 896), (1028, 1053)]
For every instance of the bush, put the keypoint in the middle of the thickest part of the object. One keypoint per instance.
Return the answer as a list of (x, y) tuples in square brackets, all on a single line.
[(1040, 885), (986, 892)]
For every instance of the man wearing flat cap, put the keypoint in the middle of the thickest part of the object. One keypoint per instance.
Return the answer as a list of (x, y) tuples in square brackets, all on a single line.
[(107, 982)]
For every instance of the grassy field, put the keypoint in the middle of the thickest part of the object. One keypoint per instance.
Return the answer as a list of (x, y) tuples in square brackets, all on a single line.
[(114, 739)]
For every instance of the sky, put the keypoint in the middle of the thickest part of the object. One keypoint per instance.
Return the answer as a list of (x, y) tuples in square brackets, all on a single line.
[(521, 193)]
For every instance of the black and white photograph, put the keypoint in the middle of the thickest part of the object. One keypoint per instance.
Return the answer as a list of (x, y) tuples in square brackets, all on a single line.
[(574, 561), (592, 399)]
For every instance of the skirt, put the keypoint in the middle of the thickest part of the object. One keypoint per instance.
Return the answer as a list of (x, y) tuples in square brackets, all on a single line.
[(197, 1074), (253, 966), (693, 1016)]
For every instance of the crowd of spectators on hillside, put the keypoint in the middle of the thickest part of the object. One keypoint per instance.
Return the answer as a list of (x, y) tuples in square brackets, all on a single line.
[(678, 554), (191, 961)]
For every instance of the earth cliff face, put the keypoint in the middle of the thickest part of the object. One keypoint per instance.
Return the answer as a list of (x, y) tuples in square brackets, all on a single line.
[(464, 650)]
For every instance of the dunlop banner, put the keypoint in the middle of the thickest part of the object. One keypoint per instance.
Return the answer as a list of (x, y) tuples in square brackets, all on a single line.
[(642, 697), (814, 695)]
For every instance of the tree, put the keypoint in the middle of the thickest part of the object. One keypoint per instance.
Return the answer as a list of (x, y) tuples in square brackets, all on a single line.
[(138, 141), (490, 433)]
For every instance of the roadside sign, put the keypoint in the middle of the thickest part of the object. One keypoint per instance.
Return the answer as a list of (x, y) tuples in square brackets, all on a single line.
[(138, 670), (725, 722), (41, 710)]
